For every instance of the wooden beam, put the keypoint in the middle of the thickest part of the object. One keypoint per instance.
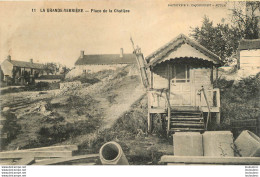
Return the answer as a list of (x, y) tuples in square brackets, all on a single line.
[(218, 118), (55, 148), (169, 76), (67, 159), (22, 154), (211, 160), (151, 75), (25, 161), (6, 161), (211, 74), (216, 76)]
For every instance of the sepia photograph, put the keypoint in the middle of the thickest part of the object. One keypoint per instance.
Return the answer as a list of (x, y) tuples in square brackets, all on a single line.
[(129, 82)]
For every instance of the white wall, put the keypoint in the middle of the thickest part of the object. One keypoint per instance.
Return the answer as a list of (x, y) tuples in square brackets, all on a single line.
[(7, 68), (97, 68), (250, 59)]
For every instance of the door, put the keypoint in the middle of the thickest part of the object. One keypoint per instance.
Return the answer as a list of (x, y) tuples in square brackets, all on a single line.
[(180, 85)]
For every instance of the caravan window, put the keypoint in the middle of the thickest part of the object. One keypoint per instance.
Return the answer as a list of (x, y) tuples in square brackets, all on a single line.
[(181, 73)]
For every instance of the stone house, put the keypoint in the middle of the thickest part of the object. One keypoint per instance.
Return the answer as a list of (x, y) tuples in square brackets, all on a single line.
[(98, 62), (21, 72)]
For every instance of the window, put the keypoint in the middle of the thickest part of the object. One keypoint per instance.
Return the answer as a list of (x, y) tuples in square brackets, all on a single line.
[(181, 73)]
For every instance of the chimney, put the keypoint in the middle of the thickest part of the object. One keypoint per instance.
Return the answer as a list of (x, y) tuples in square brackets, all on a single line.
[(82, 54), (121, 52), (9, 57), (31, 60)]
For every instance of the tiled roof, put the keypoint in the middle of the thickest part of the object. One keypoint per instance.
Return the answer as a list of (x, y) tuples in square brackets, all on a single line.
[(177, 42), (106, 59), (246, 44), (25, 64)]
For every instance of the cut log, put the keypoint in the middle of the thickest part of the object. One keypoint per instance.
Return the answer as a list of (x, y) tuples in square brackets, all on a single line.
[(67, 159), (211, 160), (23, 154), (25, 161)]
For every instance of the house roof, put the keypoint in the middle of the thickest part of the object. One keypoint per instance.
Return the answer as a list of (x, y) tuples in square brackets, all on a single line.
[(247, 44), (184, 43), (25, 64), (106, 59)]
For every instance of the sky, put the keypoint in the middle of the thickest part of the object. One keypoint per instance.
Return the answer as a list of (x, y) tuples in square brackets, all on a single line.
[(60, 36)]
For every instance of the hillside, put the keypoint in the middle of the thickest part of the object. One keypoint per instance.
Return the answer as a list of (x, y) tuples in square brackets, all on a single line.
[(55, 116)]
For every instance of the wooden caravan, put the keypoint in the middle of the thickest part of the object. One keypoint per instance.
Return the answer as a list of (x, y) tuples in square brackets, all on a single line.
[(181, 85)]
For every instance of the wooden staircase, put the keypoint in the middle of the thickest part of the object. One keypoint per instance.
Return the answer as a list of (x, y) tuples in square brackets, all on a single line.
[(181, 121)]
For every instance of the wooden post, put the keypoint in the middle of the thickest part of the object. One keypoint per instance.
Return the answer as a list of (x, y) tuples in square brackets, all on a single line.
[(211, 74), (151, 75), (149, 122), (218, 118), (218, 105), (148, 116), (216, 76), (168, 98), (169, 76)]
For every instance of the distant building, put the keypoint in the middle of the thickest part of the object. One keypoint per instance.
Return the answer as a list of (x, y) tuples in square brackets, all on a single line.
[(21, 72), (95, 63), (249, 54)]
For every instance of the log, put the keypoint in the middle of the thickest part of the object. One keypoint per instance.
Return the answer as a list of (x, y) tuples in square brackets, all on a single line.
[(211, 160), (23, 154), (66, 159), (25, 161)]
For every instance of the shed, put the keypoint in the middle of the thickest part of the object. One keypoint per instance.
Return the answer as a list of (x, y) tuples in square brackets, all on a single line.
[(182, 73), (249, 54)]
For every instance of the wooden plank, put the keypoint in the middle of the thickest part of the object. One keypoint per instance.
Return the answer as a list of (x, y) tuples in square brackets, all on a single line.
[(25, 161), (55, 148), (85, 164), (22, 154), (211, 160), (6, 162), (212, 109), (66, 159), (157, 110)]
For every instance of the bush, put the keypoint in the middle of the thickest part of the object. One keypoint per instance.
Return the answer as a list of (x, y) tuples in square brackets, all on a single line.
[(239, 101)]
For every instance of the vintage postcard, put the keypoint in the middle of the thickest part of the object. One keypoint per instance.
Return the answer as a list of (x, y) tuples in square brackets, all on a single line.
[(129, 82)]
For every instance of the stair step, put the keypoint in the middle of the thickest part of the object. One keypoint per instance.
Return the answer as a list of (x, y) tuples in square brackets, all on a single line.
[(186, 129), (186, 122), (186, 112), (185, 116), (187, 125), (186, 119)]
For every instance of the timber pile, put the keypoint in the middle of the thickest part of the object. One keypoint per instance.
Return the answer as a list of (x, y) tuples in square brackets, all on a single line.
[(52, 155)]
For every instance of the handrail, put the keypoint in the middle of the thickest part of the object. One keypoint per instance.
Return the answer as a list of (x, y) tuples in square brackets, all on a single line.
[(208, 116)]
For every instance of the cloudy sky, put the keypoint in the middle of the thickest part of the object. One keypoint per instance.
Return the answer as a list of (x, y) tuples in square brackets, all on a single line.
[(60, 36)]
